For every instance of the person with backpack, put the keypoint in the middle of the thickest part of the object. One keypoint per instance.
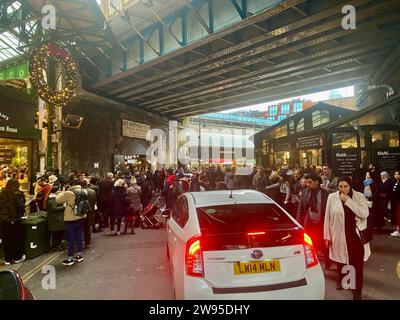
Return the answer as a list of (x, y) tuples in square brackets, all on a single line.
[(76, 207)]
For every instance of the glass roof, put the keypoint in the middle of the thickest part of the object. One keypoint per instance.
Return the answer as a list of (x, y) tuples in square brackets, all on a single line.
[(8, 46)]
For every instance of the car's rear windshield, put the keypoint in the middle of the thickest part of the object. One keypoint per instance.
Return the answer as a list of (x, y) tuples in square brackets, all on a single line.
[(239, 218)]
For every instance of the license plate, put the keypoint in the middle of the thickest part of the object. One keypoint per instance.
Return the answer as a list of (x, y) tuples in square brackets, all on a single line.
[(256, 267)]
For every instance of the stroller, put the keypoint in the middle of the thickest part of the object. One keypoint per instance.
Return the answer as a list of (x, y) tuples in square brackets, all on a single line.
[(151, 216)]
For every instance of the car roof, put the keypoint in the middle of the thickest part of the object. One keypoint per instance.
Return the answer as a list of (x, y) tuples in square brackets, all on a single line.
[(203, 199)]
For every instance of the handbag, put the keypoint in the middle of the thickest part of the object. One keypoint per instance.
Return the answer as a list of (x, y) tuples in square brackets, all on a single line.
[(365, 235)]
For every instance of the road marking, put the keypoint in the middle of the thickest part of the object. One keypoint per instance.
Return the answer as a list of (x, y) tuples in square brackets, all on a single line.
[(30, 274)]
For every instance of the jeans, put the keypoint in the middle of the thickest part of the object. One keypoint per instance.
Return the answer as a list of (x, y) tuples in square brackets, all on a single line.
[(74, 236)]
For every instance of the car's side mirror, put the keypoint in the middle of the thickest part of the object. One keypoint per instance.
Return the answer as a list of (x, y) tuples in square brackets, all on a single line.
[(166, 213), (12, 287)]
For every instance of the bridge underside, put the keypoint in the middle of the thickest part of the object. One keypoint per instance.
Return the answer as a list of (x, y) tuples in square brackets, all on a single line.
[(294, 48)]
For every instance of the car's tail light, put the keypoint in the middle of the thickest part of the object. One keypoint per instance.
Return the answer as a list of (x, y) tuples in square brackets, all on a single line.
[(256, 233), (309, 252), (194, 257)]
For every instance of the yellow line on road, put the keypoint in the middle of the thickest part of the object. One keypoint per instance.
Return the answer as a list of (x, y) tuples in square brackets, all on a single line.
[(50, 259)]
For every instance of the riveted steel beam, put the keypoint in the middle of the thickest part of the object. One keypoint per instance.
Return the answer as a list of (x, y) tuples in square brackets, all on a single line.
[(251, 20), (311, 87), (260, 91), (354, 50), (284, 77), (249, 62), (333, 11), (284, 90), (301, 36)]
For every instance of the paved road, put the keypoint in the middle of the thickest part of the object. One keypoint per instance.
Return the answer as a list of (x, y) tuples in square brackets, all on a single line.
[(136, 267)]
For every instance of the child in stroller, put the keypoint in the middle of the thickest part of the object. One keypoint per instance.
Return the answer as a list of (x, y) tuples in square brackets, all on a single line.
[(151, 215)]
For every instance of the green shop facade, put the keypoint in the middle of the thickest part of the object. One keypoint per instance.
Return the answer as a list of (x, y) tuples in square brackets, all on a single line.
[(19, 139), (347, 140)]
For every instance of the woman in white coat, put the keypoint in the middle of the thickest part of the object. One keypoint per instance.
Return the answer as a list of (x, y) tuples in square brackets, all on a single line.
[(346, 214)]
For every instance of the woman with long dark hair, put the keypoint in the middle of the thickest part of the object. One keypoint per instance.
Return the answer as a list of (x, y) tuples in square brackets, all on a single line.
[(345, 217), (12, 208)]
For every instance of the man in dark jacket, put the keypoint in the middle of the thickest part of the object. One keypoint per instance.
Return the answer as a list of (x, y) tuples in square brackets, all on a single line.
[(311, 212), (105, 187)]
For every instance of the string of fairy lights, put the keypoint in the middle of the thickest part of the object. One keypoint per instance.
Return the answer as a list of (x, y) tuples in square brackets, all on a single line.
[(38, 66)]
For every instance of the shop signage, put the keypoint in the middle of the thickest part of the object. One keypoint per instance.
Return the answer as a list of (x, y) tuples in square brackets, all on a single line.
[(134, 129), (310, 142), (279, 147), (19, 71), (16, 119), (388, 159), (346, 162), (4, 124), (6, 155)]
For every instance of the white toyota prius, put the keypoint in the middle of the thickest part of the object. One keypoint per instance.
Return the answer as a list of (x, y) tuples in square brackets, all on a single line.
[(239, 245)]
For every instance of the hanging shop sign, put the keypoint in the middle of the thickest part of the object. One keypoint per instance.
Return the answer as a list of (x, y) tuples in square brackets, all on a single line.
[(346, 162), (310, 142), (387, 159), (281, 147), (6, 155), (136, 130), (39, 60), (16, 120), (17, 72)]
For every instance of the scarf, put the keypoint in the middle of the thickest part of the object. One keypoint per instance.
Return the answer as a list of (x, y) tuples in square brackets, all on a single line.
[(367, 182)]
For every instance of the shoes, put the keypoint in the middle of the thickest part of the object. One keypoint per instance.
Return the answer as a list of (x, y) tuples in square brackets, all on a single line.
[(133, 231), (7, 263), (22, 259), (87, 247), (395, 234), (68, 262), (78, 258), (118, 233), (125, 232), (111, 233)]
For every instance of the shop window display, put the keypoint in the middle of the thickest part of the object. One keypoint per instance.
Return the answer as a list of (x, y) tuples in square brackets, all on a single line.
[(344, 140), (385, 139)]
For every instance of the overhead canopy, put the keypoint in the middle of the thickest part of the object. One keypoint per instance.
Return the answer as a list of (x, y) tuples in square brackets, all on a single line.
[(294, 48)]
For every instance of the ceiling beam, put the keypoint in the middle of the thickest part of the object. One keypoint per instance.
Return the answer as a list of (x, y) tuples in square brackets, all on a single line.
[(155, 81), (251, 20)]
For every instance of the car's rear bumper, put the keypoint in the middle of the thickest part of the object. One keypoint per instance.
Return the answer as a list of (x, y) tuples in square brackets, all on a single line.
[(310, 287)]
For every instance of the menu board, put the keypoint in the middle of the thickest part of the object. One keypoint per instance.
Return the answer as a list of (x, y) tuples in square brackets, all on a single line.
[(134, 129), (279, 147), (346, 162), (388, 160), (6, 155), (309, 142)]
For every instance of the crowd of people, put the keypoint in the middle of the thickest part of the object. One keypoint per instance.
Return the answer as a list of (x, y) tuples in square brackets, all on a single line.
[(334, 210)]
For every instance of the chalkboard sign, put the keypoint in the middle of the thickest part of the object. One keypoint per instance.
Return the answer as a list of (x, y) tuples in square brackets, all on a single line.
[(387, 159), (309, 142), (281, 147), (346, 162)]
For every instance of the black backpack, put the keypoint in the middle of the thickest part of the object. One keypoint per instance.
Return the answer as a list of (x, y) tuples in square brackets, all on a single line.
[(81, 203)]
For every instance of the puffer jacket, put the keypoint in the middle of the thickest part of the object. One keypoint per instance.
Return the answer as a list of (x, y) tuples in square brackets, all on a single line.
[(68, 197), (12, 206)]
